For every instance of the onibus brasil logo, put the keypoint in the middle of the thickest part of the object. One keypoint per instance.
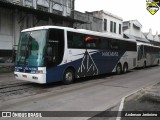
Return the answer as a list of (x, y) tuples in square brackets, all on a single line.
[(152, 6)]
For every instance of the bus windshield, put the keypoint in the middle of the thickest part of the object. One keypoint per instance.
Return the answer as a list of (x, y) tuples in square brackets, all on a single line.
[(31, 48)]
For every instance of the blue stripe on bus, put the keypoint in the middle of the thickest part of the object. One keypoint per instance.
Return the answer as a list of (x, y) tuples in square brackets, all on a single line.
[(104, 61)]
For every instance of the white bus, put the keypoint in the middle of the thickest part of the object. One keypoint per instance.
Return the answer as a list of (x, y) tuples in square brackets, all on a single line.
[(148, 55), (50, 53)]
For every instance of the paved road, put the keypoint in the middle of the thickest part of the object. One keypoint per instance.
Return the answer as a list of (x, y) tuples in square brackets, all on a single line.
[(92, 95)]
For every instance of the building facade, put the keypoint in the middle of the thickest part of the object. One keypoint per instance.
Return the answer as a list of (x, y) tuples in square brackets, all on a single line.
[(154, 39), (149, 35), (100, 21), (16, 15), (61, 7), (132, 30), (111, 25), (91, 22)]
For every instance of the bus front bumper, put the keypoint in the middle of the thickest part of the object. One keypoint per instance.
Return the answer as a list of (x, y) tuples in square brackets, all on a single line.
[(36, 78)]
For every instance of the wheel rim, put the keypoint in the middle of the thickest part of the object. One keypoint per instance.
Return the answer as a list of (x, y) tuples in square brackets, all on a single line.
[(125, 68), (118, 69), (69, 76)]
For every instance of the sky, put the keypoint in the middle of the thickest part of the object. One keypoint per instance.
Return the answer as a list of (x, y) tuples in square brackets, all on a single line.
[(126, 9)]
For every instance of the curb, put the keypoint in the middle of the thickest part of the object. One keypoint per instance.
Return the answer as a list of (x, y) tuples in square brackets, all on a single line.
[(123, 100), (122, 103), (6, 74)]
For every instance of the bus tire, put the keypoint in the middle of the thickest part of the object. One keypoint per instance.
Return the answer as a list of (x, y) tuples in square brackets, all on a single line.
[(158, 62), (125, 68), (144, 64), (68, 76), (118, 69)]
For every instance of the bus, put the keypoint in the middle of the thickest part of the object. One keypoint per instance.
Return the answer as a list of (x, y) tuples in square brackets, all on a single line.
[(49, 54), (148, 55)]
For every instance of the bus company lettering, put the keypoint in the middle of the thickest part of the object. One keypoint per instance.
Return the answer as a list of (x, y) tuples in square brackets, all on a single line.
[(110, 54)]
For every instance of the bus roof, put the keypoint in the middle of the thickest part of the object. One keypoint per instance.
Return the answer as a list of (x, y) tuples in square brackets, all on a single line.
[(147, 44), (41, 28), (100, 34)]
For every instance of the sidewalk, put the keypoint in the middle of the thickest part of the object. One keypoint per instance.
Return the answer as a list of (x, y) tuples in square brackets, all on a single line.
[(6, 74), (4, 70), (146, 100)]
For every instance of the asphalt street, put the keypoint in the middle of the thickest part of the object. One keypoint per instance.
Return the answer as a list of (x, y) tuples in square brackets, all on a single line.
[(92, 94)]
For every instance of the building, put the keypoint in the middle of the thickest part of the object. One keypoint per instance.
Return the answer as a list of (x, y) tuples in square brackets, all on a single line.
[(149, 35), (132, 30), (91, 22), (112, 24), (16, 15), (154, 39), (61, 7), (100, 21)]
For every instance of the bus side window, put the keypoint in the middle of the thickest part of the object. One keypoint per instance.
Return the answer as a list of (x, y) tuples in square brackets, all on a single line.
[(104, 43), (114, 44), (70, 40), (75, 40), (90, 45), (78, 40)]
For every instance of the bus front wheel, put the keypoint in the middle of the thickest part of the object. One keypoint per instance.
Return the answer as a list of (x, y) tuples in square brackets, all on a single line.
[(68, 76)]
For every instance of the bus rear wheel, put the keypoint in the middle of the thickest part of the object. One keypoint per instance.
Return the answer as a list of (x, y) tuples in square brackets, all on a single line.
[(68, 76), (118, 69), (125, 68), (158, 62)]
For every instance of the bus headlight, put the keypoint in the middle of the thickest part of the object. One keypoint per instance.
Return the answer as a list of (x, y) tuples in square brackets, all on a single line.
[(40, 71)]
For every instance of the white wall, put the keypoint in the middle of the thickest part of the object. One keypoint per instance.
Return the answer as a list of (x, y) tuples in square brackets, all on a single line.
[(117, 21)]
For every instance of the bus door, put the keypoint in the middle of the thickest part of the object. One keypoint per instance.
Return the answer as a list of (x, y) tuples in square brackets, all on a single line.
[(140, 52), (55, 47)]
